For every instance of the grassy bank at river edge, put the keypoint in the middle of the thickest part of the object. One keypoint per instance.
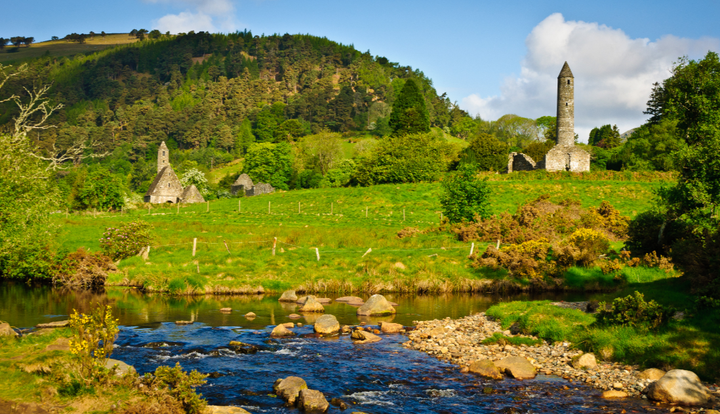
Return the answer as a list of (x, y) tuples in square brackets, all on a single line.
[(691, 342)]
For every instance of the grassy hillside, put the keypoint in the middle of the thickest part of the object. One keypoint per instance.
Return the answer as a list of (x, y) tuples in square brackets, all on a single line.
[(342, 223), (64, 47)]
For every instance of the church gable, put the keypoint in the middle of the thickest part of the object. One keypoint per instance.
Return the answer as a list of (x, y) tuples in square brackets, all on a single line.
[(165, 188)]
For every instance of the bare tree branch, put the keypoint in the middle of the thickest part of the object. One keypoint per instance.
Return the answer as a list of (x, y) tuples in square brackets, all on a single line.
[(7, 76)]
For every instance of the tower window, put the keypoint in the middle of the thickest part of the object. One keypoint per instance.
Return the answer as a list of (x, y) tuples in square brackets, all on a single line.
[(164, 151), (568, 84)]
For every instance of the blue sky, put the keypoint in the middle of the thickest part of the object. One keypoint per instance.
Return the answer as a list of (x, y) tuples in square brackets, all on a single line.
[(492, 58)]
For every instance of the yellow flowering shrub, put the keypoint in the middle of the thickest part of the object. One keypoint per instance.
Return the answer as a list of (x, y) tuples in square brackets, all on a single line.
[(584, 247), (92, 343)]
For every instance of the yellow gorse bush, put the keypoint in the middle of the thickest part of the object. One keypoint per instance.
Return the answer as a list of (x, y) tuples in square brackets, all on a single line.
[(95, 334)]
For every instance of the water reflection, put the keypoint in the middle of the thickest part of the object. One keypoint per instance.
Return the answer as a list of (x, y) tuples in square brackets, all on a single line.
[(25, 306)]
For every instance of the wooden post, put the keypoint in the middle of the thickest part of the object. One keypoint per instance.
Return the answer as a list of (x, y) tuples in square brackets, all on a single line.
[(366, 210), (498, 245), (317, 254), (368, 251), (403, 214), (148, 210), (331, 208), (472, 247), (121, 210), (274, 245), (67, 212), (208, 207), (178, 208), (198, 267), (441, 216), (298, 207), (148, 252), (268, 207), (239, 206), (226, 246), (194, 247)]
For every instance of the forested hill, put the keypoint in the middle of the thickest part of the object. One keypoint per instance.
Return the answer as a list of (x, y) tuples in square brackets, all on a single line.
[(202, 90)]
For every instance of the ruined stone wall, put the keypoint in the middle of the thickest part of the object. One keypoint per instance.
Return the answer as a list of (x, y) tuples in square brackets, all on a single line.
[(192, 195), (517, 161), (165, 188), (243, 183), (260, 188), (567, 158)]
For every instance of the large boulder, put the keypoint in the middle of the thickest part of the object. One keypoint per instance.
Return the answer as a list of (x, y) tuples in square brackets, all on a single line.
[(679, 386), (289, 388), (311, 305), (327, 325), (7, 330), (584, 361), (389, 327), (349, 299), (288, 296), (312, 401), (652, 374), (364, 337), (376, 305), (122, 368), (517, 367), (56, 324), (486, 368), (281, 331)]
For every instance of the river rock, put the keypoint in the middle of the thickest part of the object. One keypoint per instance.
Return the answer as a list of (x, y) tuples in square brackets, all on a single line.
[(288, 325), (250, 315), (280, 331), (289, 388), (218, 409), (184, 322), (614, 394), (60, 344), (376, 305), (678, 386), (324, 301), (584, 361), (225, 310), (294, 316), (56, 324), (364, 337), (327, 325), (288, 296), (122, 368), (389, 327), (311, 305), (7, 330), (242, 347), (517, 367), (485, 368), (312, 401), (652, 374), (349, 299)]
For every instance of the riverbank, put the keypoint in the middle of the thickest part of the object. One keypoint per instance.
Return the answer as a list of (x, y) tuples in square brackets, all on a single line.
[(530, 332)]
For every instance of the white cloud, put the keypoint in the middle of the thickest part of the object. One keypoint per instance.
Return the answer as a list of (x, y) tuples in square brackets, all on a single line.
[(208, 15), (613, 73), (185, 22)]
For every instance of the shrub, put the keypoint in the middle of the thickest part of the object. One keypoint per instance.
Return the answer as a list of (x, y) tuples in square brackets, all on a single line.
[(606, 217), (632, 310), (179, 385), (125, 241), (524, 260), (465, 196), (83, 270), (584, 247), (93, 341)]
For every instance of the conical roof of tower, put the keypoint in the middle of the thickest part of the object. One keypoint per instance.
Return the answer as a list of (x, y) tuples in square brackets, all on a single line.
[(565, 72), (163, 145)]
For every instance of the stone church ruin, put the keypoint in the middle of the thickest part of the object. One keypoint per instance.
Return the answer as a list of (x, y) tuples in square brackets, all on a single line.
[(166, 187), (245, 184), (564, 156)]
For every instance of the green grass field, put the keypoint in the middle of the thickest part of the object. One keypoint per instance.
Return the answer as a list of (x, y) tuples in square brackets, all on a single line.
[(63, 47), (235, 239)]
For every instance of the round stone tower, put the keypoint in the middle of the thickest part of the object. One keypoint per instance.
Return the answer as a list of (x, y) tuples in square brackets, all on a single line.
[(566, 107), (163, 156)]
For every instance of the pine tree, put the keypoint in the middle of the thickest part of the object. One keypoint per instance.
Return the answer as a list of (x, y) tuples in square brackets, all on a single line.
[(409, 114)]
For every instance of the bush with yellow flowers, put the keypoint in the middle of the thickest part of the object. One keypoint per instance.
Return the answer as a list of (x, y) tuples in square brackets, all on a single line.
[(92, 343)]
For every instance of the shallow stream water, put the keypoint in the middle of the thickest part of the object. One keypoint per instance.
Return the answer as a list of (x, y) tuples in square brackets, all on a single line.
[(382, 377)]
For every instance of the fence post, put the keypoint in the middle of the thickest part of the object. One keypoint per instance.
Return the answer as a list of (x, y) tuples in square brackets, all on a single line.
[(208, 207), (331, 208), (239, 206), (178, 208), (368, 251), (268, 207), (226, 246), (317, 254), (441, 217), (148, 210), (366, 211), (472, 247), (274, 245), (194, 246), (498, 245), (298, 207), (403, 214), (67, 212)]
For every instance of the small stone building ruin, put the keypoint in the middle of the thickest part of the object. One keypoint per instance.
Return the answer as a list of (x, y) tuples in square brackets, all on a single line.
[(564, 156), (166, 187), (245, 184)]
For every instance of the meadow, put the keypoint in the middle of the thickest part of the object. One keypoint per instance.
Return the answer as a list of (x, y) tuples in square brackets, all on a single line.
[(331, 240), (60, 48)]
